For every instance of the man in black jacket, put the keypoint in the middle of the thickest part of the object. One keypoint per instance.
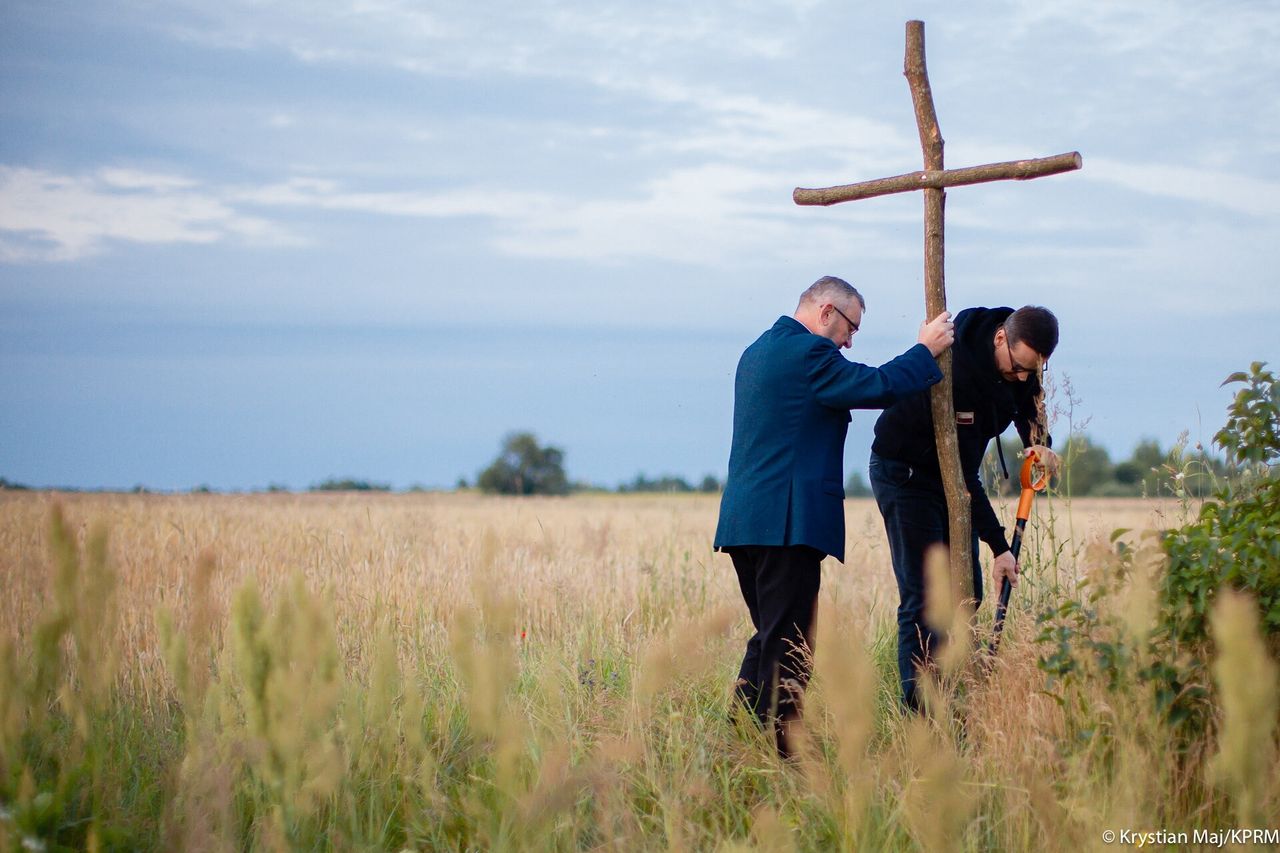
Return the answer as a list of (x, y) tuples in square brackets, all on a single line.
[(999, 355)]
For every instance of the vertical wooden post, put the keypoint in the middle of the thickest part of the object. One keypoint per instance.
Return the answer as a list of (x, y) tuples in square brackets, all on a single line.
[(935, 296)]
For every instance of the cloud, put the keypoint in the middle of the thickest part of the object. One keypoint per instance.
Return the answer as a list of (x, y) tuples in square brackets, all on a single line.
[(1163, 33), (748, 127), (641, 67), (647, 54), (1255, 196), (323, 194), (704, 215), (714, 214), (49, 217), (533, 37), (134, 179), (708, 214)]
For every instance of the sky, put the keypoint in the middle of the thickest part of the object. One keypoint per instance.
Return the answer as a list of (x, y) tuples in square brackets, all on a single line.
[(271, 241)]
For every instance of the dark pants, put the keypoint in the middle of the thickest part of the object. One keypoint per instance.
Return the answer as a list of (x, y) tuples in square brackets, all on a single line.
[(780, 586), (914, 508)]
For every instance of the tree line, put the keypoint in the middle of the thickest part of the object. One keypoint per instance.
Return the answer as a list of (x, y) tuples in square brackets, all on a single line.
[(1089, 471), (526, 467)]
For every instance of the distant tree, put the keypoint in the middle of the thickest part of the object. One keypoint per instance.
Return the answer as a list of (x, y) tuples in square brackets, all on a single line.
[(461, 485), (672, 483), (1147, 454), (709, 484), (5, 484), (1149, 463), (856, 486), (275, 488), (349, 485), (1086, 466), (640, 483), (665, 483), (524, 467), (1129, 474), (202, 489)]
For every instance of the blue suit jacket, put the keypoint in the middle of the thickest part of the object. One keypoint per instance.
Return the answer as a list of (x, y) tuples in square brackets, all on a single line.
[(792, 397)]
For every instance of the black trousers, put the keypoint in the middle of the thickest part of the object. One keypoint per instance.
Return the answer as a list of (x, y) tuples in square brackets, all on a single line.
[(780, 587), (915, 520)]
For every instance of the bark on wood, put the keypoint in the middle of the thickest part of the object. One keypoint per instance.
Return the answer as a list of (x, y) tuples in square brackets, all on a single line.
[(940, 397), (1018, 170)]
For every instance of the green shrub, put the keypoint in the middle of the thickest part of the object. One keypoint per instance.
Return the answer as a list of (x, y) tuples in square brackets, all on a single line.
[(1232, 543)]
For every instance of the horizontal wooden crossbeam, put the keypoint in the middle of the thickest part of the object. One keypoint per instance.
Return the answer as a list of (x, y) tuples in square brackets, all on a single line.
[(1016, 170)]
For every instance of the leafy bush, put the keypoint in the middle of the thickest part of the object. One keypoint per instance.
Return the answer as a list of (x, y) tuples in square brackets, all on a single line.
[(1232, 543), (1235, 541)]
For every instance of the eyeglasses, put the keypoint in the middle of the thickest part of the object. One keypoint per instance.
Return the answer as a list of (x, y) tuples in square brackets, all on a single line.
[(1014, 367), (852, 325)]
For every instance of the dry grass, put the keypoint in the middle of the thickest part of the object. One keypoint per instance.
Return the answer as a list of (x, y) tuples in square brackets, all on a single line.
[(459, 671), (415, 559)]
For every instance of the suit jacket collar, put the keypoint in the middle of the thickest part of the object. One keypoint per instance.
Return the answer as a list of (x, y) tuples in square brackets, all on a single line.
[(790, 324)]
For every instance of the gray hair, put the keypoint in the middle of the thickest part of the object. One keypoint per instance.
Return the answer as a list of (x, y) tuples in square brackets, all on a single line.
[(830, 289)]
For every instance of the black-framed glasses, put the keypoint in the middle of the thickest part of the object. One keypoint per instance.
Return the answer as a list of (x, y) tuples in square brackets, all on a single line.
[(1014, 367), (852, 325)]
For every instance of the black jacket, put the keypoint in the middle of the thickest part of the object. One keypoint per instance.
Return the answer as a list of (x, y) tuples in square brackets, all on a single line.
[(986, 403)]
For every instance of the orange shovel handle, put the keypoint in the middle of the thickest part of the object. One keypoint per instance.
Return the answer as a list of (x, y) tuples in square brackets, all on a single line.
[(1034, 479)]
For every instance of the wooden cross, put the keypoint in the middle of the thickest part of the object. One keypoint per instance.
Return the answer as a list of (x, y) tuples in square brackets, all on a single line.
[(933, 181)]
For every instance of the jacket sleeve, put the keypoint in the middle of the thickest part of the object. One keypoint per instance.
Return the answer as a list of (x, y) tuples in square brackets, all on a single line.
[(843, 384), (984, 518), (985, 522)]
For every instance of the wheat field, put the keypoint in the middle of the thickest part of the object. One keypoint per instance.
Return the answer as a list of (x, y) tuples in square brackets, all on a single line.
[(453, 671)]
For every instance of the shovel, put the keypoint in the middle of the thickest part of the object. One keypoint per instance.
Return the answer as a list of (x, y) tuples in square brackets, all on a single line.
[(1034, 478)]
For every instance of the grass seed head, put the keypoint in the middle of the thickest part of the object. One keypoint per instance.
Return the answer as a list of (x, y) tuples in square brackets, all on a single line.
[(1249, 686)]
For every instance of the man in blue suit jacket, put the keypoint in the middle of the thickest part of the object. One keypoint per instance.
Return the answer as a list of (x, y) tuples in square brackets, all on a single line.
[(783, 505)]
